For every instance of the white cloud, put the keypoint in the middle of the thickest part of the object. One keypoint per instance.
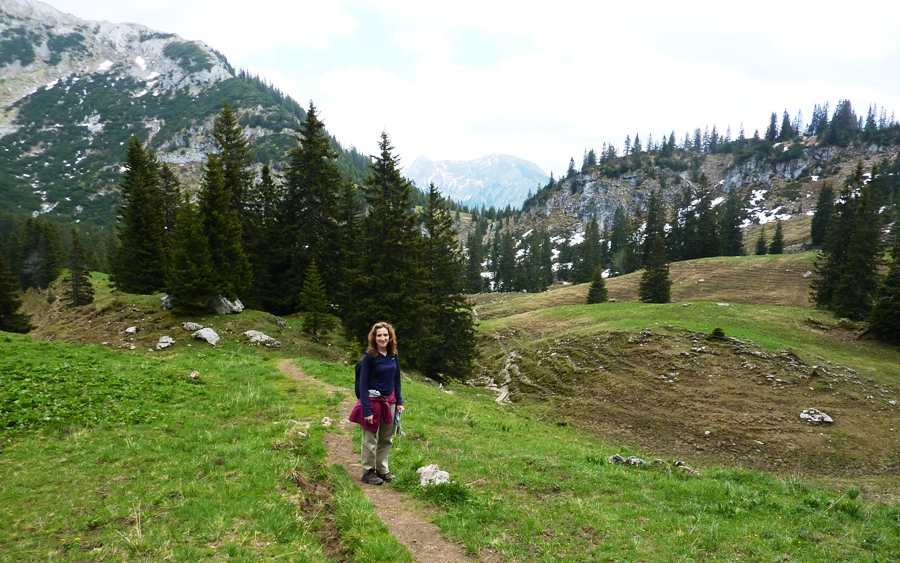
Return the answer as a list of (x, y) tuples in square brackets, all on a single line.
[(463, 79)]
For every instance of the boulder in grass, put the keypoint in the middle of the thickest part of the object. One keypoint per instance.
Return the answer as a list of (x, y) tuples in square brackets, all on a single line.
[(164, 342), (815, 416), (208, 335), (192, 327), (259, 338), (223, 306)]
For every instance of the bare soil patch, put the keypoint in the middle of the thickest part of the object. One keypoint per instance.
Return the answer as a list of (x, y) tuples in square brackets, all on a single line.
[(673, 393), (402, 516)]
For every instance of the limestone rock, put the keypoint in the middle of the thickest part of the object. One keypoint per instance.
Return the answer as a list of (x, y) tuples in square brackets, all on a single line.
[(815, 416), (223, 306), (258, 338), (207, 334), (193, 327), (164, 342)]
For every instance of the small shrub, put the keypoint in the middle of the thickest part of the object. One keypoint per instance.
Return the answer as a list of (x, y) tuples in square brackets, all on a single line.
[(716, 334)]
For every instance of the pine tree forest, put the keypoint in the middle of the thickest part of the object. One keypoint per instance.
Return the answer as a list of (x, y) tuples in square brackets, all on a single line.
[(349, 250)]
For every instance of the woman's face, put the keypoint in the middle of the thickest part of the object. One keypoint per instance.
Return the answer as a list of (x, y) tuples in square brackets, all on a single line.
[(382, 337)]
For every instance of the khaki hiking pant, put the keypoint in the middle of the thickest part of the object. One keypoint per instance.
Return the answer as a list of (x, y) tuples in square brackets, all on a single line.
[(377, 445)]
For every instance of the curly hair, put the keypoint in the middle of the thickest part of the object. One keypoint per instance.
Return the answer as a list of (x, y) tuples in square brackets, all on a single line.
[(392, 340)]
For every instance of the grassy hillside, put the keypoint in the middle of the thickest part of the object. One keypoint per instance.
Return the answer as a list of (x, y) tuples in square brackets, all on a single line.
[(123, 456)]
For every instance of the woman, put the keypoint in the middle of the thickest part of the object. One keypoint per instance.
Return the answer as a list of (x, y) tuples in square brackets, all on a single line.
[(380, 398)]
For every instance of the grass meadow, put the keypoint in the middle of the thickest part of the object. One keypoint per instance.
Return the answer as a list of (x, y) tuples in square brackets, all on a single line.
[(109, 453)]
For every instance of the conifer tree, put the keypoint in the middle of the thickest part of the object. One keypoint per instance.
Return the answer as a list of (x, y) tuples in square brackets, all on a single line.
[(474, 260), (222, 230), (314, 303), (885, 318), (777, 244), (138, 265), (832, 261), (351, 248), (38, 255), (389, 283), (310, 206), (546, 259), (267, 293), (506, 263), (683, 225), (235, 158), (706, 240), (171, 192), (655, 222), (655, 285), (190, 278), (448, 341), (822, 214), (787, 130), (772, 130), (731, 235), (597, 291), (857, 284), (79, 291), (761, 247), (10, 299), (590, 253)]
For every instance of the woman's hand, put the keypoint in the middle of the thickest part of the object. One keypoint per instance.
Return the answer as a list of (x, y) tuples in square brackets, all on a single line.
[(370, 419), (400, 409)]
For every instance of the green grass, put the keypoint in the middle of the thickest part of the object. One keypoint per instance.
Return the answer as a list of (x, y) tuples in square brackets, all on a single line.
[(215, 474), (540, 493), (126, 458)]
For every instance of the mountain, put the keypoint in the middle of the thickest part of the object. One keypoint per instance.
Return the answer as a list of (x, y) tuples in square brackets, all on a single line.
[(73, 91), (495, 180)]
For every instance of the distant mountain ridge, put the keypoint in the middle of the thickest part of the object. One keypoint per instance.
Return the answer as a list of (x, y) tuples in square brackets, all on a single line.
[(495, 180), (73, 91)]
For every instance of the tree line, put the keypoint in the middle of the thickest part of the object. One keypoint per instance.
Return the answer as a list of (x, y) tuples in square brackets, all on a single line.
[(309, 241)]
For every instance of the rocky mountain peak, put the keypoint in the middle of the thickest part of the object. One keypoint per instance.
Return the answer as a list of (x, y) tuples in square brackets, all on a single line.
[(494, 180)]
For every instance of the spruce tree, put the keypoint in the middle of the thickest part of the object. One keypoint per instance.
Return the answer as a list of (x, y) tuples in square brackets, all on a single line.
[(236, 159), (705, 240), (833, 257), (313, 301), (190, 278), (884, 321), (79, 291), (448, 343), (309, 210), (655, 285), (761, 247), (822, 214), (388, 286), (731, 235), (777, 244), (597, 292), (222, 230), (350, 255), (474, 260), (171, 192), (546, 259), (857, 284), (10, 299), (590, 253), (655, 222), (139, 262)]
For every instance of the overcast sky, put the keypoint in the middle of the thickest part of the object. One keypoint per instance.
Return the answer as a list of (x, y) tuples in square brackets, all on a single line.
[(463, 79)]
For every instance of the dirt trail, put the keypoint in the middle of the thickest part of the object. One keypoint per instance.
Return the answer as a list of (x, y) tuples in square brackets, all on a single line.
[(419, 535)]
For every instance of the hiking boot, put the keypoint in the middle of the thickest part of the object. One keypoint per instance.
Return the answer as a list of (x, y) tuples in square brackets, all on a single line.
[(370, 478), (386, 476)]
